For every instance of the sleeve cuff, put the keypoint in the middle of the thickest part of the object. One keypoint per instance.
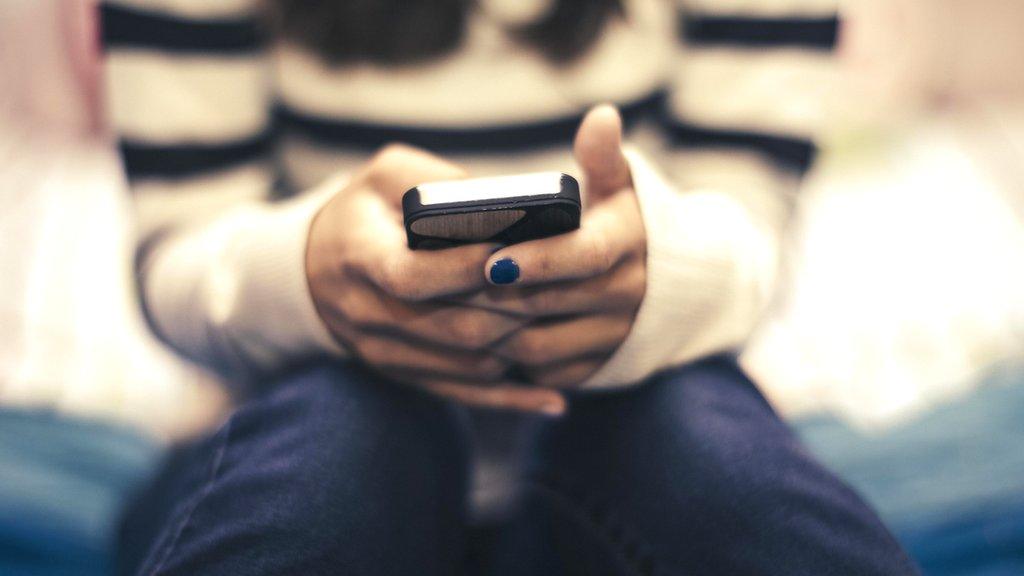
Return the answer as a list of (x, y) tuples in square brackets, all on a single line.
[(234, 296), (276, 305), (709, 271)]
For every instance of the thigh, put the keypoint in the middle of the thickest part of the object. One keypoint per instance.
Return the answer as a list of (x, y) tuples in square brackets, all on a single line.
[(330, 472), (691, 473)]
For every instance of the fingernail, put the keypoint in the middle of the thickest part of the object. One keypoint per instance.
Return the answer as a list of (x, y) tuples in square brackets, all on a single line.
[(504, 271)]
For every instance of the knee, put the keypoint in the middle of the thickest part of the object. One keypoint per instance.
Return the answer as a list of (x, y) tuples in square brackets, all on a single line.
[(712, 425), (713, 416), (346, 406), (701, 444), (336, 438), (705, 423), (329, 469)]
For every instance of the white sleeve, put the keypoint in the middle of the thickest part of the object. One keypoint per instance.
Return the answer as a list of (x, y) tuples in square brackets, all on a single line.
[(220, 265), (753, 88), (233, 295), (710, 270)]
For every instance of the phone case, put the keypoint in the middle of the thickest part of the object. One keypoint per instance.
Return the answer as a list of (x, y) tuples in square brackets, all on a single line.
[(503, 209)]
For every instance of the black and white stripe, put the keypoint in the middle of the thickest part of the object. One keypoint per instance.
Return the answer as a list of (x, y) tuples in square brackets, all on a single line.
[(212, 120), (814, 33), (187, 92), (367, 136), (143, 160), (725, 96), (790, 153), (129, 27), (754, 79)]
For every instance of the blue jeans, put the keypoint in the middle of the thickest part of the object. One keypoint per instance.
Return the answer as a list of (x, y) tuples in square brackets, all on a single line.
[(333, 472)]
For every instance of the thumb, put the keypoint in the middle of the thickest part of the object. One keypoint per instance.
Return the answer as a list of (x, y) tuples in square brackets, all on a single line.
[(598, 150)]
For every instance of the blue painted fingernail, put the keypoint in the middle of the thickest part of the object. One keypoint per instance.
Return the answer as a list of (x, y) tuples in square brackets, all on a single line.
[(504, 271)]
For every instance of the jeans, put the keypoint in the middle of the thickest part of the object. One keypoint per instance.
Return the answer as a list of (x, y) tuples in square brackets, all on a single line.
[(334, 472)]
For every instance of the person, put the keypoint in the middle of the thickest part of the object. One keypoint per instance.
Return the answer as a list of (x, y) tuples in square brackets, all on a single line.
[(256, 138)]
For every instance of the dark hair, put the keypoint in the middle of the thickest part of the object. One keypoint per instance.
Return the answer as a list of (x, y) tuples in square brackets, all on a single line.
[(407, 31)]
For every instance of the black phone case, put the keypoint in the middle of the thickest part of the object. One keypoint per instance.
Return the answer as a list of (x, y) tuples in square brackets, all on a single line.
[(543, 216)]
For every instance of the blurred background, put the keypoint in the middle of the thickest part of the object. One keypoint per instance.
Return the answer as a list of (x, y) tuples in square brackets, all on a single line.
[(896, 345)]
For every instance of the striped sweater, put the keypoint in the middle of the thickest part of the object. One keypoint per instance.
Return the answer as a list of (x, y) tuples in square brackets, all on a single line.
[(223, 130)]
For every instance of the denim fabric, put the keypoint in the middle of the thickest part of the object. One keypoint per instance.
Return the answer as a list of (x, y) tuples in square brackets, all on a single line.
[(693, 473), (333, 472), (330, 473)]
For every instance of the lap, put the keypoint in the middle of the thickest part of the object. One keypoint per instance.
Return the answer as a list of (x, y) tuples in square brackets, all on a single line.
[(691, 472)]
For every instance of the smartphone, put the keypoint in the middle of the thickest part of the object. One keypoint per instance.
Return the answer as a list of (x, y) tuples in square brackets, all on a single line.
[(502, 209)]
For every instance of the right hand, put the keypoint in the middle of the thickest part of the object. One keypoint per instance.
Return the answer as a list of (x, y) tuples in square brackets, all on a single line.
[(380, 299)]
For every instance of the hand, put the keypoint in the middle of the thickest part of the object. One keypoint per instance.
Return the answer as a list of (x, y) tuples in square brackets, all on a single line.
[(379, 299), (581, 290)]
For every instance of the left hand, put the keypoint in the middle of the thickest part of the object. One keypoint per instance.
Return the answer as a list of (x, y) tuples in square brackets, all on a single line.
[(376, 296), (580, 290)]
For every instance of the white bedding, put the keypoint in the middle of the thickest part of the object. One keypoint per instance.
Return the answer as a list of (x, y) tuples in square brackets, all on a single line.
[(908, 279), (72, 336)]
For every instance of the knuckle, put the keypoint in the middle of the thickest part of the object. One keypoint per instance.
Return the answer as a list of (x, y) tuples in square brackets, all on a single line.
[(601, 253), (356, 308), (638, 276), (629, 293), (542, 302), (349, 268), (543, 265), (531, 348), (360, 315), (388, 279), (395, 282), (351, 307), (638, 283), (371, 350), (470, 331)]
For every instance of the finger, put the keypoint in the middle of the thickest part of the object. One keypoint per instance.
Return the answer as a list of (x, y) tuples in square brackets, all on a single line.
[(565, 376), (503, 397), (421, 275), (396, 168), (566, 341), (621, 290), (598, 150), (442, 325), (608, 234), (382, 256), (395, 356)]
